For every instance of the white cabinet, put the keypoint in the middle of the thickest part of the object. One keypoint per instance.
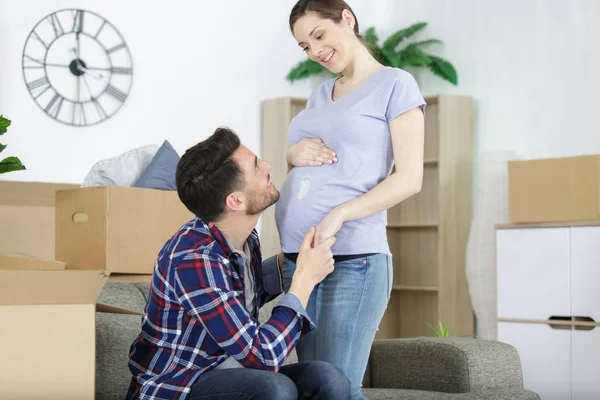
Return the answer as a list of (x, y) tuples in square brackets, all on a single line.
[(549, 307), (545, 357), (533, 273), (585, 272), (585, 364)]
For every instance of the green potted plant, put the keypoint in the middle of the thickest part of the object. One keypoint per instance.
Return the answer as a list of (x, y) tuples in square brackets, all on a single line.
[(9, 164), (443, 331), (392, 54)]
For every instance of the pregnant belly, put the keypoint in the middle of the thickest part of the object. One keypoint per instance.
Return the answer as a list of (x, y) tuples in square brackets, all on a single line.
[(307, 196)]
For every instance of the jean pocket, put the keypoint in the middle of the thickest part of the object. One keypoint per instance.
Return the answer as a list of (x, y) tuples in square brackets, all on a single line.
[(390, 276)]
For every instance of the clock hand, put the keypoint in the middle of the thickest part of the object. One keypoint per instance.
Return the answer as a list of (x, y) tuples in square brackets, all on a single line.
[(78, 45), (88, 86), (56, 65), (87, 70)]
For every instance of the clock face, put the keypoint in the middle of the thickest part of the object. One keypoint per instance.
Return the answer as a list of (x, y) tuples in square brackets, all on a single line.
[(77, 67)]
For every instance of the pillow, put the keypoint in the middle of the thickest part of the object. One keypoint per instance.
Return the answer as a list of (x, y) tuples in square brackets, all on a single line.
[(122, 170), (160, 173)]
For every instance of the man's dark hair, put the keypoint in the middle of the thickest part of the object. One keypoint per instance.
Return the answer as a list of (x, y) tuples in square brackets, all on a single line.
[(207, 174)]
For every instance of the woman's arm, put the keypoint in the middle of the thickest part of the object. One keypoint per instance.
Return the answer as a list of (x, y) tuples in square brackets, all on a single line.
[(408, 133)]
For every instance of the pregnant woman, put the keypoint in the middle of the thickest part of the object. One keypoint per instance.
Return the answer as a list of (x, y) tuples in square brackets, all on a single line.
[(372, 116)]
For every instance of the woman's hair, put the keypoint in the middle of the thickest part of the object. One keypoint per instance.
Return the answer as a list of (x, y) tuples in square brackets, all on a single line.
[(327, 9)]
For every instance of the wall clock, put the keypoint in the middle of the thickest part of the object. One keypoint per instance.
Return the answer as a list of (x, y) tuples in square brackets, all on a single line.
[(77, 67)]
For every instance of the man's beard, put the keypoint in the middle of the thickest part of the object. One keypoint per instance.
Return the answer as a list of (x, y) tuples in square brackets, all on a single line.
[(258, 202)]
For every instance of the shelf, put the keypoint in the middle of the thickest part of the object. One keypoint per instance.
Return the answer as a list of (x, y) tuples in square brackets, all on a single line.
[(416, 225), (413, 288), (430, 162)]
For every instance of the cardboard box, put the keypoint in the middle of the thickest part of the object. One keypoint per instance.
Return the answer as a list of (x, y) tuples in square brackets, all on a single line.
[(27, 217), (48, 335), (554, 190), (121, 229), (21, 261)]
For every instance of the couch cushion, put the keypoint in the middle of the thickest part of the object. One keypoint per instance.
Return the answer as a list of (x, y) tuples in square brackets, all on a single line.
[(122, 170), (114, 335), (160, 172), (403, 394)]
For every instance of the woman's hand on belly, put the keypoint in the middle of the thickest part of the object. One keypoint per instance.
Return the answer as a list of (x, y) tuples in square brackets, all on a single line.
[(329, 226), (310, 152)]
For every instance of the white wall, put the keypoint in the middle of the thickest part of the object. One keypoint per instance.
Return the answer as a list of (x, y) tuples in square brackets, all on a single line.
[(531, 66), (197, 65)]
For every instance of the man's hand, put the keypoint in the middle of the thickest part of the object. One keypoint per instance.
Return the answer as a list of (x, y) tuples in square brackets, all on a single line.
[(310, 152), (312, 266)]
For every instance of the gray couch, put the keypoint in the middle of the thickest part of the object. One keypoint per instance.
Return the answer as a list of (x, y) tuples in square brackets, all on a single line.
[(420, 368)]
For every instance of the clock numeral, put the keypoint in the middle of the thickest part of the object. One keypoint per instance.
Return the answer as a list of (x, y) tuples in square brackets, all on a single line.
[(99, 108), (53, 108), (78, 21), (56, 25), (116, 93), (39, 39), (115, 48), (121, 70), (38, 86), (99, 30), (79, 117)]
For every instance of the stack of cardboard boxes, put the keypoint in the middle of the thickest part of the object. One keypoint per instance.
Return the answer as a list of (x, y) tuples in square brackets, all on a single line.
[(59, 245)]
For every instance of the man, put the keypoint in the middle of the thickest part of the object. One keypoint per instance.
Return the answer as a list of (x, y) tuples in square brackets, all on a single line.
[(201, 338)]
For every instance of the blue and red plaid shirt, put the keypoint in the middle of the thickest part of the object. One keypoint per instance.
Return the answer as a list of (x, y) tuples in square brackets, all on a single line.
[(196, 315)]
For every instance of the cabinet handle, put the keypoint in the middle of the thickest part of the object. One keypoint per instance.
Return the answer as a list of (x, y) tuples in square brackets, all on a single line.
[(560, 318), (584, 327)]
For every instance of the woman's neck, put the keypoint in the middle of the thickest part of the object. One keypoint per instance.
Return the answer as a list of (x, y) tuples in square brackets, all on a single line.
[(361, 66)]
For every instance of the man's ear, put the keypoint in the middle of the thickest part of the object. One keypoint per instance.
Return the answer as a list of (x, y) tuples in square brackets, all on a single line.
[(235, 201)]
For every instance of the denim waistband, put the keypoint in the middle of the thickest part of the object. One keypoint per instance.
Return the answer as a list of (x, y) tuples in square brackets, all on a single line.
[(337, 258)]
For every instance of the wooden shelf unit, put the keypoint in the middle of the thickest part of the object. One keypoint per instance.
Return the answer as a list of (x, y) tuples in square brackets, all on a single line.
[(427, 233)]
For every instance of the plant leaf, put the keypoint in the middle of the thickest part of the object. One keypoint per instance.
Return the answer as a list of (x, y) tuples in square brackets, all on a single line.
[(370, 36), (2, 147), (426, 42), (4, 123), (304, 69), (393, 59), (443, 69), (414, 56), (395, 39), (10, 164)]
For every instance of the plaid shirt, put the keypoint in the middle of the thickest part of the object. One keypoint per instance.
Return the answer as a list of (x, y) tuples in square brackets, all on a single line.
[(196, 315)]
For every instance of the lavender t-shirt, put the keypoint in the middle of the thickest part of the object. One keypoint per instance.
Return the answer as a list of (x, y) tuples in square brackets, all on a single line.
[(357, 128)]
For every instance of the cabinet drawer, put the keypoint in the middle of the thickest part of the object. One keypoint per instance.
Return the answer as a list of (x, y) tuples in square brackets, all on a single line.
[(532, 267), (545, 357), (585, 361), (585, 272)]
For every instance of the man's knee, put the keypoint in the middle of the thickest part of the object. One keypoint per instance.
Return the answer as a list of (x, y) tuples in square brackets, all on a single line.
[(277, 387), (330, 380)]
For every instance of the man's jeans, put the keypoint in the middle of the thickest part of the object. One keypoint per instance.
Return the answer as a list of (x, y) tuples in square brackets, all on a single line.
[(314, 380), (347, 307)]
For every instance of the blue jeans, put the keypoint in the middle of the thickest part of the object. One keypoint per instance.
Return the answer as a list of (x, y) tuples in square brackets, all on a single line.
[(347, 307), (315, 380)]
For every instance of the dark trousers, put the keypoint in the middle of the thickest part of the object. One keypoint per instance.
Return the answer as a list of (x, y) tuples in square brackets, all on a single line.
[(316, 380)]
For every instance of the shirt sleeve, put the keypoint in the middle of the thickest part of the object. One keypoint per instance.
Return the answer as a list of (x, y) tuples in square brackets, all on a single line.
[(204, 287), (404, 96)]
